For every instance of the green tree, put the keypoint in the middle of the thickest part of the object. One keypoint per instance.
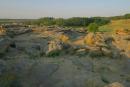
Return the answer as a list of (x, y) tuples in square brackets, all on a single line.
[(93, 27), (60, 22), (101, 21), (127, 16), (47, 21)]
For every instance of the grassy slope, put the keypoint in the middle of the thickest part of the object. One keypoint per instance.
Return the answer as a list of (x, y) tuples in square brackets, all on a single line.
[(116, 24)]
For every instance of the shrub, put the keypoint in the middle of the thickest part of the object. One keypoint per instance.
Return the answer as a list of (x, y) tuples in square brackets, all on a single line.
[(53, 53), (93, 27)]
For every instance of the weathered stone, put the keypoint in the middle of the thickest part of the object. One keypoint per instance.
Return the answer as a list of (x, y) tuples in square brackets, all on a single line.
[(94, 82), (95, 53), (17, 31), (4, 44), (2, 67), (115, 84), (54, 45), (108, 40), (82, 52), (34, 50), (40, 75), (106, 52), (94, 39)]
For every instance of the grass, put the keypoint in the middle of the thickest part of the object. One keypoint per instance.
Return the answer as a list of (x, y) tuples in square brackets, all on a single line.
[(105, 28), (116, 24), (54, 53)]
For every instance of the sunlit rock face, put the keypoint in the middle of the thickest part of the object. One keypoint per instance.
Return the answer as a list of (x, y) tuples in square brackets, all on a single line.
[(2, 31), (49, 58)]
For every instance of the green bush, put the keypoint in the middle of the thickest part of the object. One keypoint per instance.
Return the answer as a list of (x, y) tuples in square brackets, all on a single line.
[(93, 27), (53, 53)]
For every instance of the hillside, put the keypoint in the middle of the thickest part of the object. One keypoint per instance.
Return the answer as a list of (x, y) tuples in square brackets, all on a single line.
[(116, 24)]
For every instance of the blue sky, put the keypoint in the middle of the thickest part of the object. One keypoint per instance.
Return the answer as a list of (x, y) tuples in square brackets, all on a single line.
[(62, 8)]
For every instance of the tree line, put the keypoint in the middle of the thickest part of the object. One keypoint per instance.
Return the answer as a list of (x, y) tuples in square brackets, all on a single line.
[(74, 21), (126, 16)]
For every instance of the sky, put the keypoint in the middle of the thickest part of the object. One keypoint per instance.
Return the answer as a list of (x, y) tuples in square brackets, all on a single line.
[(32, 9)]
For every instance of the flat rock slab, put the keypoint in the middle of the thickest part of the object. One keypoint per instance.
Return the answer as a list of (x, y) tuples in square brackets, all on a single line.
[(40, 75)]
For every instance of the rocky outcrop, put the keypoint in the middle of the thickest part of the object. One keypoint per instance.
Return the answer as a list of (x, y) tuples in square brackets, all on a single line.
[(40, 75), (123, 44), (17, 31), (2, 67), (26, 73), (93, 39), (56, 47), (34, 51), (89, 65), (90, 39)]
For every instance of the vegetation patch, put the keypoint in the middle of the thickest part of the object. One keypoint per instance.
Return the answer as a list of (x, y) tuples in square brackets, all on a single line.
[(54, 53)]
